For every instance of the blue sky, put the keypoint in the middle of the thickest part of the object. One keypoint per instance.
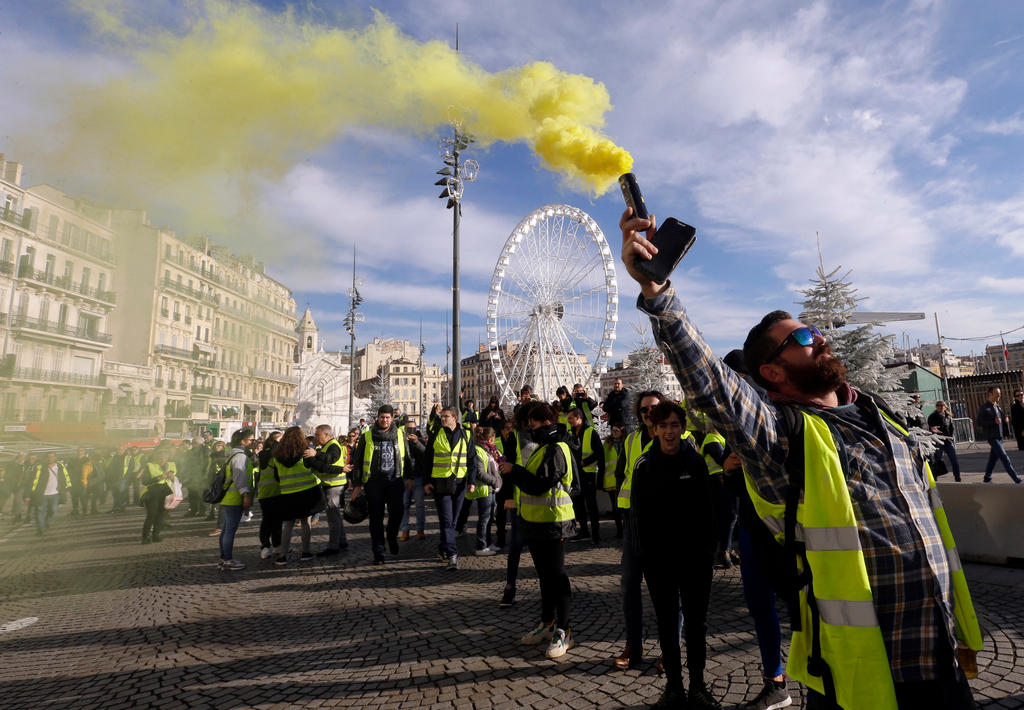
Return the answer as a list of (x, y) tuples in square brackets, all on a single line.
[(893, 130)]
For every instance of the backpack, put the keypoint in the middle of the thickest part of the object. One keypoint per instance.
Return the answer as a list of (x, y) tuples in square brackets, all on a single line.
[(216, 492)]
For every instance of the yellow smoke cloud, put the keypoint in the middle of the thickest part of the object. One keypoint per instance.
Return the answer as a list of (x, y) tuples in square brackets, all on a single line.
[(243, 92)]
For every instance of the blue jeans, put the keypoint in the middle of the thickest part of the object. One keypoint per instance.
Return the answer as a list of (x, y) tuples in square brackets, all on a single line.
[(421, 507), (484, 508), (760, 599), (46, 511), (448, 508), (949, 448), (232, 515), (997, 452)]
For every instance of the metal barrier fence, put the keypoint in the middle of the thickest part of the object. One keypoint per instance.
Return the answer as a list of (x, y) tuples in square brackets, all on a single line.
[(963, 430)]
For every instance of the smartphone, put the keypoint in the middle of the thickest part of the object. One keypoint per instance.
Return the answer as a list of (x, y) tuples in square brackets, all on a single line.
[(673, 238)]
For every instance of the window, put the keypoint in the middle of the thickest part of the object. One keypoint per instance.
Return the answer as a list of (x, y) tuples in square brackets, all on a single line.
[(5, 250), (69, 267), (44, 310), (86, 276), (51, 262), (53, 229), (101, 282)]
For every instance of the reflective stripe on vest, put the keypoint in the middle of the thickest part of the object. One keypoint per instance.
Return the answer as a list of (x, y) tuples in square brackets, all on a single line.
[(62, 471), (611, 461), (588, 450), (446, 461), (295, 478), (267, 485), (480, 491), (340, 478), (556, 505), (712, 438), (368, 449)]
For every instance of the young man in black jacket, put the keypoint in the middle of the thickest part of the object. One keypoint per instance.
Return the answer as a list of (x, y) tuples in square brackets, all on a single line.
[(671, 526)]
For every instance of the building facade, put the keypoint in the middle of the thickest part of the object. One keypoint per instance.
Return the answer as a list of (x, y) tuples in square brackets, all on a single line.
[(57, 259)]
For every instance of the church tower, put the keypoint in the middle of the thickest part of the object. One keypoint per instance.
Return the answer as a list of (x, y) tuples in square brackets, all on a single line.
[(309, 336)]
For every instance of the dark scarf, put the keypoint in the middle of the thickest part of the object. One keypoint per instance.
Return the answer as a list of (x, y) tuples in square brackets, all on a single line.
[(389, 434)]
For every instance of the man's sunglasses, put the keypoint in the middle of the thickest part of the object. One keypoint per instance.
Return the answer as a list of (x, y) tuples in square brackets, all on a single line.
[(801, 336)]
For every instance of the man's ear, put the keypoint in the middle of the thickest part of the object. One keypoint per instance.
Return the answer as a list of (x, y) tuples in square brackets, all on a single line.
[(772, 373)]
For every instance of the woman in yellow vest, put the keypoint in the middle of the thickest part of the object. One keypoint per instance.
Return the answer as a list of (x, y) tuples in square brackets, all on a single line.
[(155, 489), (487, 484), (546, 519), (301, 496), (268, 492)]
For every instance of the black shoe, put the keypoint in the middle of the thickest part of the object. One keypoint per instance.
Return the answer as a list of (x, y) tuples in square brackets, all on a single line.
[(378, 560), (580, 537), (329, 552), (146, 540), (442, 556), (281, 561), (343, 545), (671, 699), (393, 545), (305, 556), (157, 538), (701, 698), (508, 598)]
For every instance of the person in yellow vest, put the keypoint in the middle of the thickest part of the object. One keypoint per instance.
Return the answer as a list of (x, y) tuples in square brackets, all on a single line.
[(546, 519), (612, 453), (671, 501), (488, 482), (450, 466), (268, 493), (238, 498), (301, 496), (561, 405), (330, 462), (381, 464), (138, 467), (155, 478), (715, 450), (508, 445), (47, 488), (470, 417), (586, 446), (884, 606), (636, 443)]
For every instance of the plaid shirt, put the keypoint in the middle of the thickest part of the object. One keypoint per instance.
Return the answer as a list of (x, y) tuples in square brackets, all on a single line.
[(906, 562)]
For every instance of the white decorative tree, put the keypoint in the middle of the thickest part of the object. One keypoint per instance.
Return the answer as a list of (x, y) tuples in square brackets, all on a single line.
[(380, 394)]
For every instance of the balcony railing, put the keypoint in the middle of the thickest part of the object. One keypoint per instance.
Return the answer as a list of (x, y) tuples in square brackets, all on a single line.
[(257, 372), (58, 376), (6, 267), (21, 219), (130, 410), (66, 284), (172, 351), (99, 248), (196, 389), (189, 291), (44, 326)]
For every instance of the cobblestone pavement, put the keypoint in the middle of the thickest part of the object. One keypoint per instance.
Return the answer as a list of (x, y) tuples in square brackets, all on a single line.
[(120, 625)]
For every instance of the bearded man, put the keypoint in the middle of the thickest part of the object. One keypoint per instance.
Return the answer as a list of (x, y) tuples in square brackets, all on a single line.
[(880, 598)]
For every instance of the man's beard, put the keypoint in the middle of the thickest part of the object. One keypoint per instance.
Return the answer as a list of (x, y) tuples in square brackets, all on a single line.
[(825, 374)]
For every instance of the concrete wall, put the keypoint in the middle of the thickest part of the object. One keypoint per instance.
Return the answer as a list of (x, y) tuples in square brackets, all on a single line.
[(986, 520)]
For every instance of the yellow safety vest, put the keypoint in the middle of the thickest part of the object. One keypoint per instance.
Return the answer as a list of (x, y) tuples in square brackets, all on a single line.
[(62, 471), (632, 450), (588, 450), (368, 449), (294, 478), (611, 461), (556, 505), (267, 485), (341, 478), (712, 438), (480, 491), (588, 418), (448, 462), (519, 449), (850, 638), (156, 477), (232, 496)]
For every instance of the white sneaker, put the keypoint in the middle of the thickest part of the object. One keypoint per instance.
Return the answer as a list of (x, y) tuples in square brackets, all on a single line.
[(494, 548), (542, 633), (246, 516), (266, 552), (484, 552), (561, 641)]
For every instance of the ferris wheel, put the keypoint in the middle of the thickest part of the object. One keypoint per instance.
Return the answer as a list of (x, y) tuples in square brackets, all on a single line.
[(553, 304)]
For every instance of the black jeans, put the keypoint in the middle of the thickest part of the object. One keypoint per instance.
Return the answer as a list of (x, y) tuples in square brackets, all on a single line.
[(154, 504), (584, 505), (555, 589), (689, 579), (380, 494), (271, 522)]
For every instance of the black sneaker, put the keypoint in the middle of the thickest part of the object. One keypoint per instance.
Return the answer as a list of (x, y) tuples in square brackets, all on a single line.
[(306, 556), (378, 560), (701, 698), (508, 598), (773, 696), (671, 699), (393, 545), (329, 552), (453, 562), (580, 537), (281, 561)]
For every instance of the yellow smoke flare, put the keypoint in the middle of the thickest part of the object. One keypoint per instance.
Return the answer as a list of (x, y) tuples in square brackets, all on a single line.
[(244, 92)]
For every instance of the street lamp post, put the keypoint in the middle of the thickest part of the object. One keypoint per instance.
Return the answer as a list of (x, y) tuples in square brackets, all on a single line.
[(453, 177), (351, 318)]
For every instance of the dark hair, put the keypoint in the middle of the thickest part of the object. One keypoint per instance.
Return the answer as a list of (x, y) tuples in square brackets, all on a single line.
[(576, 411), (293, 443), (665, 409), (540, 412), (526, 389), (644, 395), (385, 409), (991, 389), (562, 389), (240, 435), (758, 346), (483, 433)]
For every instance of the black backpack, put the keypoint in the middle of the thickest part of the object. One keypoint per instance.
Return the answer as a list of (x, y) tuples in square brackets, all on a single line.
[(216, 492)]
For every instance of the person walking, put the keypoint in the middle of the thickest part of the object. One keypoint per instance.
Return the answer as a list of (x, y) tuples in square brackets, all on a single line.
[(414, 495), (155, 480), (381, 465), (330, 463), (49, 485), (238, 496), (994, 426), (194, 473), (14, 484), (940, 422), (546, 519), (79, 469), (452, 464), (671, 500)]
